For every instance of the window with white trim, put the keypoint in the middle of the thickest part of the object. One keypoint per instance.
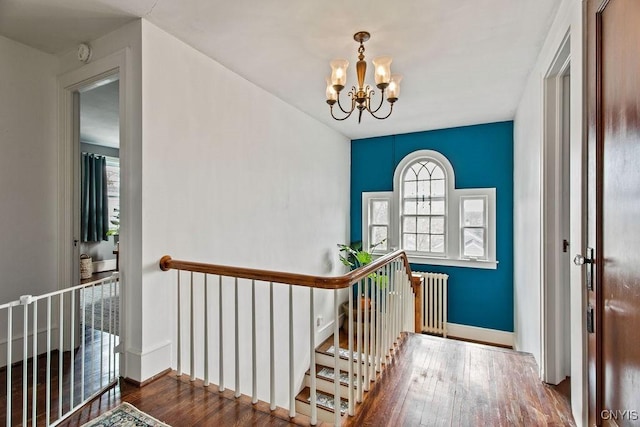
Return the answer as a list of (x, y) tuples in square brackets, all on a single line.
[(434, 222)]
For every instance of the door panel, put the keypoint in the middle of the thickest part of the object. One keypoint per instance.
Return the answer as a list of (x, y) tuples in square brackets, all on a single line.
[(614, 141)]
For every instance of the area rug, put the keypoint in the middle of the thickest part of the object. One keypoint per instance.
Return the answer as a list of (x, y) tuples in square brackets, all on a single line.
[(125, 415)]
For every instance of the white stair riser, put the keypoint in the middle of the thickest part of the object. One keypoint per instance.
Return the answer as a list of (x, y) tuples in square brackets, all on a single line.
[(326, 386), (323, 415)]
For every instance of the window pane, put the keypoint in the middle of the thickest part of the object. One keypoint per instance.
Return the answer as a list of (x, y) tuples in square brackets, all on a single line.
[(473, 239), (437, 188), (423, 188), (424, 208), (410, 189), (437, 173), (378, 234), (409, 242), (379, 212), (437, 225), (423, 242), (473, 212), (423, 225), (437, 207), (424, 173), (410, 208), (437, 243), (409, 224)]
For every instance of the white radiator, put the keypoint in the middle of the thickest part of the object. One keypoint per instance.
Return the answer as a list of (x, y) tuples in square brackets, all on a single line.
[(434, 303)]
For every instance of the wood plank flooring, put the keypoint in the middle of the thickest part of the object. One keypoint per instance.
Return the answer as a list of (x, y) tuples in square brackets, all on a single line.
[(432, 382), (442, 382)]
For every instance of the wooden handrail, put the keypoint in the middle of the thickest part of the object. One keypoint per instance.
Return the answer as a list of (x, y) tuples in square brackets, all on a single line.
[(337, 282)]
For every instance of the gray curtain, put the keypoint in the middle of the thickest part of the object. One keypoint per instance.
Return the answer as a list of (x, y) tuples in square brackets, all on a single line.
[(95, 213)]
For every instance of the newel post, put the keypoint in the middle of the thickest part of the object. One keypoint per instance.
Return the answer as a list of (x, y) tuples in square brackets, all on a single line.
[(416, 284)]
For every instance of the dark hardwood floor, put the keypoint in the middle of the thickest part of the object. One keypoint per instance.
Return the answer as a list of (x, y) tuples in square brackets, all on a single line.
[(443, 382), (432, 382), (93, 366)]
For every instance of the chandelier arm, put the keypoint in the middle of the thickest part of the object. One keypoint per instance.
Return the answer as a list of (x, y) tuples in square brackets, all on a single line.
[(353, 101), (379, 106), (338, 118), (382, 118)]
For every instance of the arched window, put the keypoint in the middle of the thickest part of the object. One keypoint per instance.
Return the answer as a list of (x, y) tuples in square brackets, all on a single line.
[(429, 218), (423, 202)]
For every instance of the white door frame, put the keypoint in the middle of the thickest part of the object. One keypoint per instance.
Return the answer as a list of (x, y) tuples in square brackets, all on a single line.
[(554, 289), (69, 162)]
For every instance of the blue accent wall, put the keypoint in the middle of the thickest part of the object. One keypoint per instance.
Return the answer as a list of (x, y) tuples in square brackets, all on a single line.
[(482, 156)]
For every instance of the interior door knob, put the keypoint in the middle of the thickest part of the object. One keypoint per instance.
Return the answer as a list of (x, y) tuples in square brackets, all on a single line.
[(579, 260)]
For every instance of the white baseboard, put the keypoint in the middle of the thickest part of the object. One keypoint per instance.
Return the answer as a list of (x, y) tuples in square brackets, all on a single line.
[(475, 333), (104, 265), (17, 349), (142, 365)]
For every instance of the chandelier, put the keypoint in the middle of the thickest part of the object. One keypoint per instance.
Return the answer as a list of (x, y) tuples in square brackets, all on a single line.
[(362, 96)]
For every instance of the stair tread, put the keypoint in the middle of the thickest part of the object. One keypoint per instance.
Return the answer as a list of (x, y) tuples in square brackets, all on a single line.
[(324, 400), (344, 353)]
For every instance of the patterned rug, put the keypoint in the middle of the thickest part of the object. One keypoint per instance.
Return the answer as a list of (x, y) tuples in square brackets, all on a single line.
[(125, 415)]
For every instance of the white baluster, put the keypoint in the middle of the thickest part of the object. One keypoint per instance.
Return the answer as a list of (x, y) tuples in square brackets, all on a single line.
[(292, 393), (359, 342), (272, 372), (379, 323), (48, 380), (253, 343), (73, 353), (237, 341), (192, 351), (83, 338), (349, 320), (61, 349), (220, 337), (206, 332), (101, 335), (34, 387), (179, 337), (9, 342), (336, 360), (366, 334), (25, 354), (312, 362)]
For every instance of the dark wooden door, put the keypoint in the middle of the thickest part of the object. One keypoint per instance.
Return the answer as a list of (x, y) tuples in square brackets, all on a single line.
[(613, 87)]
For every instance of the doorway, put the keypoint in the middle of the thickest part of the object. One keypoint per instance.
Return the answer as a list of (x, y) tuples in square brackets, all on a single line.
[(556, 261), (98, 113)]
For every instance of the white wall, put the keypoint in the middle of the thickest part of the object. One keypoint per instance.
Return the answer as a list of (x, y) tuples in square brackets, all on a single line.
[(528, 142), (120, 49), (27, 162), (233, 175)]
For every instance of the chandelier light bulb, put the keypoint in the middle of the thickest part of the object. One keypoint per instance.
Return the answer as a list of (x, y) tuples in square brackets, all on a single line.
[(339, 73), (382, 66), (394, 88)]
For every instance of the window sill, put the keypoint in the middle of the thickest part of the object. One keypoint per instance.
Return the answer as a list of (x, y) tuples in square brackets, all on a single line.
[(451, 262)]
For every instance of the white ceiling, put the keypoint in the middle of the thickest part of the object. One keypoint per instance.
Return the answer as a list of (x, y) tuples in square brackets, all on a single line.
[(464, 61), (100, 115)]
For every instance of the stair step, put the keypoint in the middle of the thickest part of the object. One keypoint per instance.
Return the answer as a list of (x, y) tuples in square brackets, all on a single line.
[(324, 381), (325, 358), (328, 373), (325, 405)]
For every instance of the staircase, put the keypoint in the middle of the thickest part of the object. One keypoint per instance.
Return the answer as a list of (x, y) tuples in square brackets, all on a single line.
[(325, 381), (385, 310)]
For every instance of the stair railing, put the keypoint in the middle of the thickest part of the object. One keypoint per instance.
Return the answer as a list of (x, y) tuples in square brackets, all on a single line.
[(385, 310)]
